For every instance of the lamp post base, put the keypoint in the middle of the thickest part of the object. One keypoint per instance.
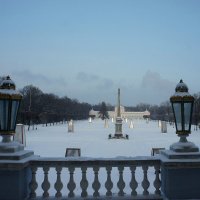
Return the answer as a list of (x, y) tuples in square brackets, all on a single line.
[(184, 146), (11, 147)]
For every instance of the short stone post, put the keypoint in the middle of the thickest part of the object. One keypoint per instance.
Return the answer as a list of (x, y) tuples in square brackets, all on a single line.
[(71, 126), (20, 135), (131, 125), (159, 123), (90, 120), (106, 123), (163, 127)]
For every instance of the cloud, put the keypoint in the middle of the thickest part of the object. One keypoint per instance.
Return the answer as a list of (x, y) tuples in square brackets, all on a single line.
[(91, 83), (46, 84), (154, 81), (153, 89), (83, 77), (97, 81), (156, 89), (105, 84), (91, 88), (30, 77)]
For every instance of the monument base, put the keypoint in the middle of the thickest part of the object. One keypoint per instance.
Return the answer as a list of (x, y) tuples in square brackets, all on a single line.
[(118, 136)]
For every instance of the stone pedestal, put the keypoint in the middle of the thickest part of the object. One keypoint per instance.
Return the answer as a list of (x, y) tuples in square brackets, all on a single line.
[(15, 173), (184, 146), (14, 182), (118, 127), (180, 175)]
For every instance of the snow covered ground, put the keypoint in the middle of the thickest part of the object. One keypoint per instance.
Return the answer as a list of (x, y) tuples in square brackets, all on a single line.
[(92, 139)]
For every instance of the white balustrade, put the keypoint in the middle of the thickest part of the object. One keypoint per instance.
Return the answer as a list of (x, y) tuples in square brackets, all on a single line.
[(133, 183), (58, 184), (71, 185), (145, 182), (46, 183), (121, 183), (96, 184), (157, 182), (87, 178), (109, 183), (33, 184)]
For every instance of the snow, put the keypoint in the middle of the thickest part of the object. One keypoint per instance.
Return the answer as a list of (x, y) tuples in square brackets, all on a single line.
[(10, 92), (92, 139)]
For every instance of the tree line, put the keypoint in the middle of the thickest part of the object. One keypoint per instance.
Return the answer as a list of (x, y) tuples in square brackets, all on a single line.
[(39, 107)]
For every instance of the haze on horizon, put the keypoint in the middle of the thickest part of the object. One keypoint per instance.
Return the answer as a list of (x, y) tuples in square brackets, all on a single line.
[(88, 49)]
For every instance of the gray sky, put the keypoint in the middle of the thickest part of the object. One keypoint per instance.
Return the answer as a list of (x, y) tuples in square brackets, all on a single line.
[(87, 49)]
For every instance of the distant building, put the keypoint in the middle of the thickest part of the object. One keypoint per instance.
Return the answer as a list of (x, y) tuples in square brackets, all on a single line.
[(93, 113), (124, 114)]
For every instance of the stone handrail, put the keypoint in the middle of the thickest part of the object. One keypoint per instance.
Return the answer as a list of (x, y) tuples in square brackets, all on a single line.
[(135, 177)]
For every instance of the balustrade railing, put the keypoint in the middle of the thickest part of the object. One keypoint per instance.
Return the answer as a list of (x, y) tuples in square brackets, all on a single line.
[(61, 178)]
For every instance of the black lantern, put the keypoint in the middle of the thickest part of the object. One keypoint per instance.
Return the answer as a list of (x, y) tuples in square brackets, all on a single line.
[(182, 105), (9, 105)]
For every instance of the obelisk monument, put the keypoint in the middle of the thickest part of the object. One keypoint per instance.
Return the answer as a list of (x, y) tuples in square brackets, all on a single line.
[(118, 123)]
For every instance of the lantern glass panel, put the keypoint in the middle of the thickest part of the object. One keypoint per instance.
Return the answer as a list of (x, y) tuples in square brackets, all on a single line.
[(15, 106), (177, 113), (4, 105), (187, 115)]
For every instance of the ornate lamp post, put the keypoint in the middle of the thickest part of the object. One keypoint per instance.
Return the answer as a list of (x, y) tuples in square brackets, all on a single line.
[(182, 105), (9, 104), (15, 171)]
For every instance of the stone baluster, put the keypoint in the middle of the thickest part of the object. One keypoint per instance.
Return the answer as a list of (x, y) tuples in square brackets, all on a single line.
[(121, 183), (84, 182), (71, 185), (109, 183), (46, 183), (157, 182), (133, 184), (145, 182), (96, 184), (33, 184), (58, 184)]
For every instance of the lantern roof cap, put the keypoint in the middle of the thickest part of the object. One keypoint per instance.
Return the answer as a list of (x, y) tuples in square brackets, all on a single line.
[(181, 93), (181, 87), (7, 83), (7, 88)]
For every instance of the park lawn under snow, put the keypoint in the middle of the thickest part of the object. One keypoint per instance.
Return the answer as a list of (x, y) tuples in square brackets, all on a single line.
[(92, 139)]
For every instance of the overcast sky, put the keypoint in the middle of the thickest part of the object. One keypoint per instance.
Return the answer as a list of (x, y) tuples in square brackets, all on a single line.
[(87, 49)]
